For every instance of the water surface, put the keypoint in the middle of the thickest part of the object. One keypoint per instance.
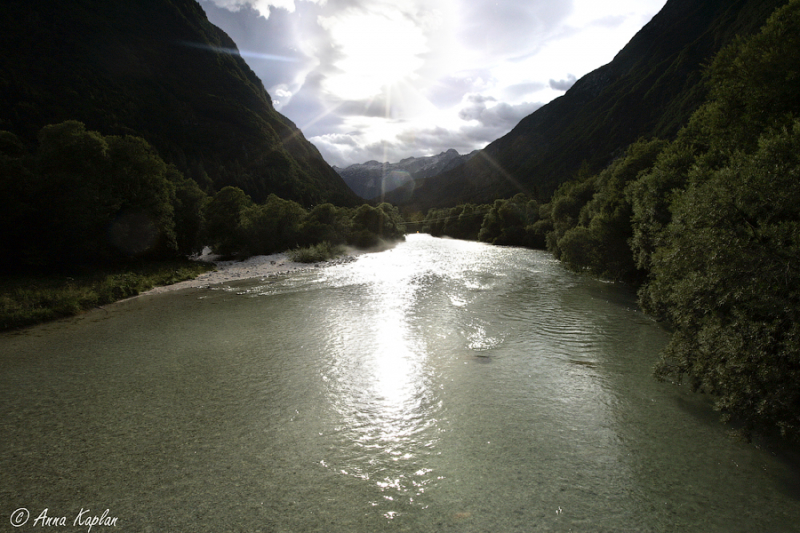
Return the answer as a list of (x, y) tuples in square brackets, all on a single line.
[(440, 386)]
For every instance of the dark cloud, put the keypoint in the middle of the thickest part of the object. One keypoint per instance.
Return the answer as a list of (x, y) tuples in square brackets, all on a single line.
[(374, 107), (498, 116), (314, 115), (563, 85)]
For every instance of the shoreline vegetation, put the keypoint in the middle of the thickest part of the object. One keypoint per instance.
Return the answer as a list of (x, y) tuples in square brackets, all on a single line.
[(95, 218), (30, 299)]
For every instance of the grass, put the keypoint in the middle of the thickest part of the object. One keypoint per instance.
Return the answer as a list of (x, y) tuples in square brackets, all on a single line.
[(323, 251), (28, 299)]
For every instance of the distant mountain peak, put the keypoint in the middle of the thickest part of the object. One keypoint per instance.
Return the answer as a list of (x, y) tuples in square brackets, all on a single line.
[(372, 179)]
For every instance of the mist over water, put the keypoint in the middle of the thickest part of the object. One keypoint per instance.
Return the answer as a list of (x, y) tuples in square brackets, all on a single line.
[(440, 386)]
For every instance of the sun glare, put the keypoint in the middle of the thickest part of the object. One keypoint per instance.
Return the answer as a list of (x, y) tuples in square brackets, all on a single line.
[(377, 50)]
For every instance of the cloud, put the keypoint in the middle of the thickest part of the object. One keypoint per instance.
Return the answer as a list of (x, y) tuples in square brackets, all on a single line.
[(519, 90), (510, 27), (611, 21), (482, 120), (563, 85), (389, 79), (495, 115), (449, 90), (263, 7)]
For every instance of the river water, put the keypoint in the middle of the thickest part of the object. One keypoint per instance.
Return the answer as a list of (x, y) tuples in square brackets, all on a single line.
[(440, 386)]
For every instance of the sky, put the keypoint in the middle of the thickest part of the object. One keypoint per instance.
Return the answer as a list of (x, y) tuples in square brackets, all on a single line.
[(389, 79)]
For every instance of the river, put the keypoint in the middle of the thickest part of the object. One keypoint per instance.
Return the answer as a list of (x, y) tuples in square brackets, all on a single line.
[(442, 386)]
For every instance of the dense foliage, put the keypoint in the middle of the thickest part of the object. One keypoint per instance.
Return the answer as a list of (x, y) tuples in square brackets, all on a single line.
[(460, 222), (723, 262), (507, 222), (590, 217), (84, 199), (85, 196), (707, 226), (27, 299), (235, 225)]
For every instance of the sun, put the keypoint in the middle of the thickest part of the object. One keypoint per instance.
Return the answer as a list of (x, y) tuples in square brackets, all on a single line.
[(376, 50)]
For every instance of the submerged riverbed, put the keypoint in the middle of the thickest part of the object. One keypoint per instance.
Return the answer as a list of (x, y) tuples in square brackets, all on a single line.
[(440, 386)]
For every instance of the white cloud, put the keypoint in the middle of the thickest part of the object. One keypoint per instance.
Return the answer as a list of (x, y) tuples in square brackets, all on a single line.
[(262, 6), (388, 79)]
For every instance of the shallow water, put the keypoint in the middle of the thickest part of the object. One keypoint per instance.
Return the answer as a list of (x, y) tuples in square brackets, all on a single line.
[(440, 386)]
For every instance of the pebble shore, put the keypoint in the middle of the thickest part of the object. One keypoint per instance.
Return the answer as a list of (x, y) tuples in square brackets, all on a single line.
[(260, 266)]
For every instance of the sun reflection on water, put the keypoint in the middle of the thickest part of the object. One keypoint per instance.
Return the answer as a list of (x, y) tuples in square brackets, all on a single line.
[(380, 380), (384, 370)]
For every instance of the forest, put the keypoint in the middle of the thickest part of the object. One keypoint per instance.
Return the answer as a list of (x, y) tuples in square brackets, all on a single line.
[(706, 226), (83, 199), (89, 219)]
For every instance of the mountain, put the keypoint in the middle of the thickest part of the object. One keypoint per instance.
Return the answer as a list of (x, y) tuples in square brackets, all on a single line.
[(157, 69), (649, 89), (372, 179)]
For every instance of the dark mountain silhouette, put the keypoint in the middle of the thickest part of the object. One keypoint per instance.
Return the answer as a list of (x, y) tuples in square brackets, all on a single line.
[(371, 180), (160, 70), (649, 90)]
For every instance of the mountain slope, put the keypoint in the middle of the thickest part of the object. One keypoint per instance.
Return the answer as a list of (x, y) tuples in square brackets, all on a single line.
[(649, 89), (157, 69), (373, 179)]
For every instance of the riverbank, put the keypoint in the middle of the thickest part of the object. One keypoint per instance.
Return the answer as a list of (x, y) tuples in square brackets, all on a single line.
[(27, 300), (30, 299), (259, 266)]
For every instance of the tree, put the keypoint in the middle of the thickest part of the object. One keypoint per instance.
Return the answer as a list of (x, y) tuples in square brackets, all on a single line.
[(223, 220), (19, 211), (74, 199), (603, 226), (729, 280), (323, 223), (188, 204), (508, 221), (143, 222), (272, 227)]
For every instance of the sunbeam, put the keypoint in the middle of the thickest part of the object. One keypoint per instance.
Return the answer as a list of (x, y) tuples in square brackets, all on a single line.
[(240, 53)]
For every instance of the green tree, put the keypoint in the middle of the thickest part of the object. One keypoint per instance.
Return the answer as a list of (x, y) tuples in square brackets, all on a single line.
[(223, 229), (372, 225), (565, 208), (73, 197), (729, 280), (599, 242), (188, 204), (650, 197), (272, 227), (323, 223), (509, 222), (141, 196)]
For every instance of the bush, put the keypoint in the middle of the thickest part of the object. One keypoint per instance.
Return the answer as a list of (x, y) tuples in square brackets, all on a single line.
[(323, 251)]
